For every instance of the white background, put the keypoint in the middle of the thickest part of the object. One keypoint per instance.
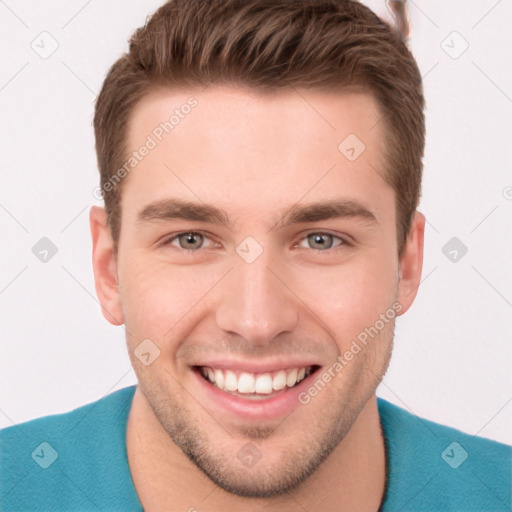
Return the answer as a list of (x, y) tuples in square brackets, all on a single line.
[(453, 349)]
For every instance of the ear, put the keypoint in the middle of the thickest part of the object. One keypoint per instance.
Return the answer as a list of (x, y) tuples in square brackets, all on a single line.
[(411, 263), (104, 262)]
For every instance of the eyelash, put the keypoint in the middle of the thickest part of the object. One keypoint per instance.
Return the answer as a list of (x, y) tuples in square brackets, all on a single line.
[(343, 241)]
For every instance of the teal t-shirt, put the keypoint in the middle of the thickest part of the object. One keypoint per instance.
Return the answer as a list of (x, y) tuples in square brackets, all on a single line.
[(77, 461)]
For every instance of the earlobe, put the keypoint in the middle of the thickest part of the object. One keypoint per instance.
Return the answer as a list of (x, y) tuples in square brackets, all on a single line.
[(104, 262), (411, 263)]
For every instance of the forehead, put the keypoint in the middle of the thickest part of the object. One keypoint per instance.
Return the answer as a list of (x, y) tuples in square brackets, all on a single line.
[(231, 145), (300, 114)]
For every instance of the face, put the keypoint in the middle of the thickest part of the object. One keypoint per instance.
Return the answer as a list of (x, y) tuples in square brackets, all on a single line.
[(257, 245)]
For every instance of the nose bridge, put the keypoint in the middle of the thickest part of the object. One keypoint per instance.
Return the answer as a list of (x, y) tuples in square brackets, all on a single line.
[(254, 303)]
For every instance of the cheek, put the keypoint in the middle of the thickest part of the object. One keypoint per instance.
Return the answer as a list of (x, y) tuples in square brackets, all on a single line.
[(159, 298), (348, 298)]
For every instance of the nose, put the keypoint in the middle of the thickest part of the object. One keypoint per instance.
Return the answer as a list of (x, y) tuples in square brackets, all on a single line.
[(255, 303)]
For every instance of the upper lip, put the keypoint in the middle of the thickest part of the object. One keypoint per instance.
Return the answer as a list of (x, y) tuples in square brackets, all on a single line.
[(257, 366)]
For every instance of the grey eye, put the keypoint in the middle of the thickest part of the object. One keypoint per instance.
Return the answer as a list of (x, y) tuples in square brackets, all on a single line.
[(190, 240), (320, 240)]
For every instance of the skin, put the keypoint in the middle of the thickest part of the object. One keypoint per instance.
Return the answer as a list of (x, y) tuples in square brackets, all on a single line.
[(255, 156)]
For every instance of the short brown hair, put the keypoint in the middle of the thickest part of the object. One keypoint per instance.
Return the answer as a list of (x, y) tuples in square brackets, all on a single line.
[(269, 44)]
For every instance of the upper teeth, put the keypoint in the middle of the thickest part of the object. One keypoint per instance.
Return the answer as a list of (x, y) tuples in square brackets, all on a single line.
[(262, 383)]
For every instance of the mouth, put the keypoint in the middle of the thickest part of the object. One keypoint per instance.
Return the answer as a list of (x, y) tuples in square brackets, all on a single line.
[(266, 394), (255, 386)]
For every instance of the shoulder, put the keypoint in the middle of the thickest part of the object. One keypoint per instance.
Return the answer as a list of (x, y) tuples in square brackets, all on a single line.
[(114, 403), (68, 460), (435, 467)]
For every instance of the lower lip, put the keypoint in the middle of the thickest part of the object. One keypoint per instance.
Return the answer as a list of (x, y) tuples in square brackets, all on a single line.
[(276, 406)]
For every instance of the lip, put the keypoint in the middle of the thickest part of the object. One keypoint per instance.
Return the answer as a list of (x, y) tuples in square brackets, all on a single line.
[(256, 367), (280, 404)]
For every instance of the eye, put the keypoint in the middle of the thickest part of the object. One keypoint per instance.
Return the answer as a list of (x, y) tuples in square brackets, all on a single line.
[(189, 241), (321, 241), (194, 240)]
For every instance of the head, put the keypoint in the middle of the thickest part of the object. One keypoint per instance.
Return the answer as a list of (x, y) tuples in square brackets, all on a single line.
[(261, 167)]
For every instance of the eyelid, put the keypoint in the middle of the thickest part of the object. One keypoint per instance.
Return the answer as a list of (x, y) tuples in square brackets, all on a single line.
[(168, 239), (344, 240)]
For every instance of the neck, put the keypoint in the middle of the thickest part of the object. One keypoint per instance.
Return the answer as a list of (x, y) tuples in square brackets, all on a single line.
[(352, 478)]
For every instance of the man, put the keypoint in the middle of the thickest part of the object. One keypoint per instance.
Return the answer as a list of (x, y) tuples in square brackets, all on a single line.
[(261, 167)]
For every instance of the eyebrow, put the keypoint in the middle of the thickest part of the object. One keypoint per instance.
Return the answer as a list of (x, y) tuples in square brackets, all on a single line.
[(169, 209)]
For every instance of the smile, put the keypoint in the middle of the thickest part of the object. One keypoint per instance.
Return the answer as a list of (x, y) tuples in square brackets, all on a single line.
[(254, 391), (253, 384)]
